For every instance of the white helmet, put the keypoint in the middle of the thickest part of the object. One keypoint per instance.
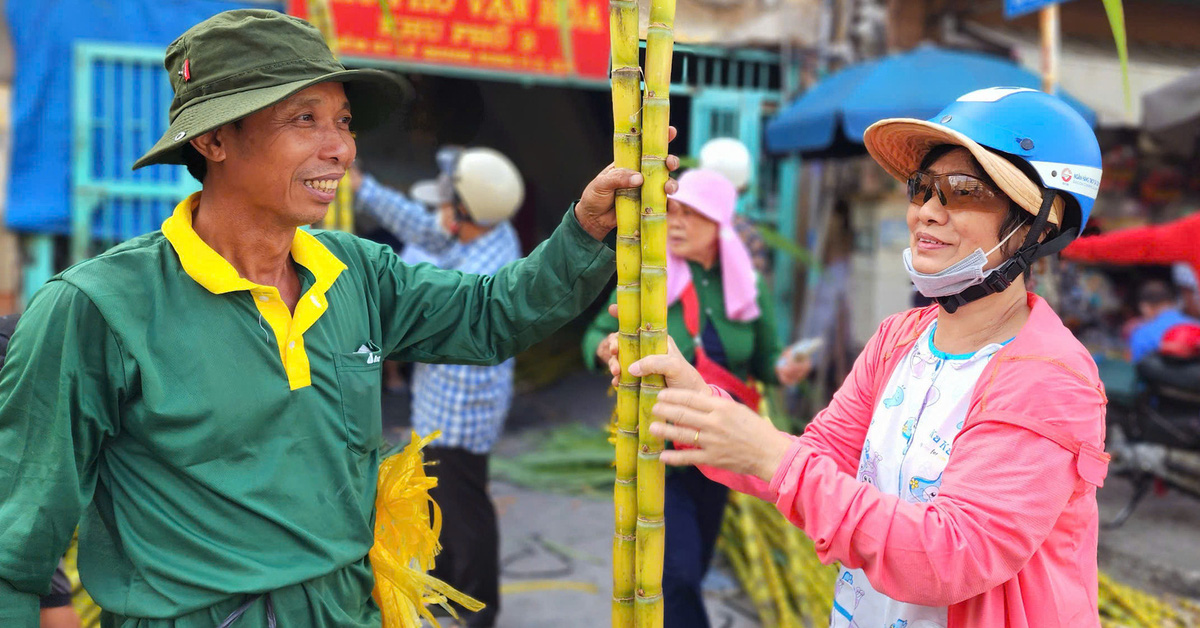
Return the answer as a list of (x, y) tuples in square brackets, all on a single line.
[(483, 180), (729, 157), (488, 185)]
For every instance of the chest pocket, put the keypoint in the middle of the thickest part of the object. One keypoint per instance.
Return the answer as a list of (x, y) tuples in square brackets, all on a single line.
[(359, 384)]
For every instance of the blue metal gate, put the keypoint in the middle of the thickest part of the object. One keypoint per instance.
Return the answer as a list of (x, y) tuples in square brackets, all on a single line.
[(121, 96), (769, 198)]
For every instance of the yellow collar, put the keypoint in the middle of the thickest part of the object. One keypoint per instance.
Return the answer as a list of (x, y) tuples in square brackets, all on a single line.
[(218, 276)]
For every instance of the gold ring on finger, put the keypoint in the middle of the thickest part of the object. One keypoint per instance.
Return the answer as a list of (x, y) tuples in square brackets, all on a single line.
[(696, 439)]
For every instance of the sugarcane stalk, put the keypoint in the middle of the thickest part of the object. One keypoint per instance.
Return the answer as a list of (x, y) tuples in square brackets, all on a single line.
[(651, 474), (627, 153)]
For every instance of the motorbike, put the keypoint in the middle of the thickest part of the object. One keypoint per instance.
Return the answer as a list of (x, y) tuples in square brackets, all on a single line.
[(1156, 440)]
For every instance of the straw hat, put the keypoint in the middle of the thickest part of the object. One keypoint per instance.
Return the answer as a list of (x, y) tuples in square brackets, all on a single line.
[(899, 145)]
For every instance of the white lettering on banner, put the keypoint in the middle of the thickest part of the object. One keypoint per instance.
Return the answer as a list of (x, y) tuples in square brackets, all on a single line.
[(992, 94), (1083, 180)]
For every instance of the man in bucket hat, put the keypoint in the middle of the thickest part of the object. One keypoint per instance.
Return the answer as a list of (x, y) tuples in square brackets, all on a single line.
[(207, 397)]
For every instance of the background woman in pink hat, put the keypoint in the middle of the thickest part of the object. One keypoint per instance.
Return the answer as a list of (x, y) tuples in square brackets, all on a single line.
[(953, 475), (721, 319)]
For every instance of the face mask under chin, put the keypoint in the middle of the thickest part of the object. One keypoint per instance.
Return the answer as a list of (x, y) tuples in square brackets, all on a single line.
[(967, 272)]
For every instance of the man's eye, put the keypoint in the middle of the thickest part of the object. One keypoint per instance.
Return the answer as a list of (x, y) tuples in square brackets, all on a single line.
[(305, 117)]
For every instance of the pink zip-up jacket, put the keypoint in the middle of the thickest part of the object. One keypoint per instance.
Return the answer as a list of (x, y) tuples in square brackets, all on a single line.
[(1010, 540)]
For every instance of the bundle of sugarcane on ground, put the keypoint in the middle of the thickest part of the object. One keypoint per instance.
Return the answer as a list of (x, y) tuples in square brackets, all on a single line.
[(1122, 606), (776, 565)]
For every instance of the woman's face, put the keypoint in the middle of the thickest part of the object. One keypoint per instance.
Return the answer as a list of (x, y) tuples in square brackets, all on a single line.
[(691, 235), (941, 236)]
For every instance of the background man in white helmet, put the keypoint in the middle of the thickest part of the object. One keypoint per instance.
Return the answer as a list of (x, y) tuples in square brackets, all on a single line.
[(477, 193)]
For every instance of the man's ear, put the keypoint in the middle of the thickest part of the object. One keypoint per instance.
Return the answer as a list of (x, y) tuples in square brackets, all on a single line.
[(209, 145)]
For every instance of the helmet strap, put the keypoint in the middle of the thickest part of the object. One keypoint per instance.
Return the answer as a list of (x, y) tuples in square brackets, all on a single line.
[(1006, 273)]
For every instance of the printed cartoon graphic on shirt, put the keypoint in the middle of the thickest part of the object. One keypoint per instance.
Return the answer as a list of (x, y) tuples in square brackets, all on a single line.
[(906, 450), (907, 433), (920, 363), (924, 490), (846, 598), (896, 399), (932, 396), (868, 468)]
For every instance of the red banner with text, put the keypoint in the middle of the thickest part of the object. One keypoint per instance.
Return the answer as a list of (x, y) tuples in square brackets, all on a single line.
[(548, 37)]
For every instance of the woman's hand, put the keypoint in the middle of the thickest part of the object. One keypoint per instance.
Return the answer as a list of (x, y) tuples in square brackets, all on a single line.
[(718, 433), (792, 371), (606, 352), (677, 372)]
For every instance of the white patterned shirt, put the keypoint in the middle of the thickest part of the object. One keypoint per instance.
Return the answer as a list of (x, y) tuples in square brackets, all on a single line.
[(908, 444), (467, 403)]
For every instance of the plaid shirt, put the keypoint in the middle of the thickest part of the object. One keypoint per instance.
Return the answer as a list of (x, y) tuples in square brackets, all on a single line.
[(467, 403)]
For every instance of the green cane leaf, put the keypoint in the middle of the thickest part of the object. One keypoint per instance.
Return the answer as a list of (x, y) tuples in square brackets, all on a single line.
[(1116, 19)]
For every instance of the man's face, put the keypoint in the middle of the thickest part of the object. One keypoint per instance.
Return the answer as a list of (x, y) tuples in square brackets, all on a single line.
[(287, 160)]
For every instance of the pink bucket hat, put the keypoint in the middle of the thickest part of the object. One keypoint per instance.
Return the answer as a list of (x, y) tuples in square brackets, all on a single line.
[(713, 196)]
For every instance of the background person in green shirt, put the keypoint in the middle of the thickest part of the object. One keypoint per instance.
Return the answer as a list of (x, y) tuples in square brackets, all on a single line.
[(721, 319), (207, 397)]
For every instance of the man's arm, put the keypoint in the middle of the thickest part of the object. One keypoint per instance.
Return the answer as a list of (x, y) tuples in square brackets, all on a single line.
[(405, 218), (1157, 244), (58, 403), (442, 316)]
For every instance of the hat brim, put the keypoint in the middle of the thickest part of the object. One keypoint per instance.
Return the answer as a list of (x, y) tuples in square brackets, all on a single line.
[(431, 192), (899, 145), (374, 95)]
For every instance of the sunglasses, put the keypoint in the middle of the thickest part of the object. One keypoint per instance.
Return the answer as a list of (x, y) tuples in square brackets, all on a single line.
[(955, 191)]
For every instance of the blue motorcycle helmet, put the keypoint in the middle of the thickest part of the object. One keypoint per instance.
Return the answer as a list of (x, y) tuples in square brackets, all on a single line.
[(1038, 150)]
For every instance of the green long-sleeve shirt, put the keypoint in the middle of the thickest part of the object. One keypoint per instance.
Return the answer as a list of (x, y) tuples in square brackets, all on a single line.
[(751, 348), (217, 444)]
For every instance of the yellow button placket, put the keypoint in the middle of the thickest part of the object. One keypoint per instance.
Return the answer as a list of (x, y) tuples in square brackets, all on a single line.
[(218, 276)]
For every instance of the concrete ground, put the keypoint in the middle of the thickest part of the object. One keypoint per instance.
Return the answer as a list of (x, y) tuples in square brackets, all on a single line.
[(555, 549)]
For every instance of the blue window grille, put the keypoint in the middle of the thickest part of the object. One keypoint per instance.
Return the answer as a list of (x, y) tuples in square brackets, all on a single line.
[(121, 96), (770, 196)]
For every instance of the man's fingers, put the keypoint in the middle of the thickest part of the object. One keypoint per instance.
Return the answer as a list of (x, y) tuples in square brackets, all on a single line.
[(671, 187), (671, 133), (672, 163), (612, 179), (612, 311)]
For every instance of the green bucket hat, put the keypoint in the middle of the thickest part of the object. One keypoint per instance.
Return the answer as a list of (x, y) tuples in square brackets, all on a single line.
[(238, 62)]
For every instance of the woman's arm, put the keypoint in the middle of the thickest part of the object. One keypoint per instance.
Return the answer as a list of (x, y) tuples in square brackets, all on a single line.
[(600, 328), (1000, 497), (1156, 244)]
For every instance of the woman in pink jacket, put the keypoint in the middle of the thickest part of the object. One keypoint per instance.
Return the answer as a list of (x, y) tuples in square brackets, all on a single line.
[(954, 473)]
